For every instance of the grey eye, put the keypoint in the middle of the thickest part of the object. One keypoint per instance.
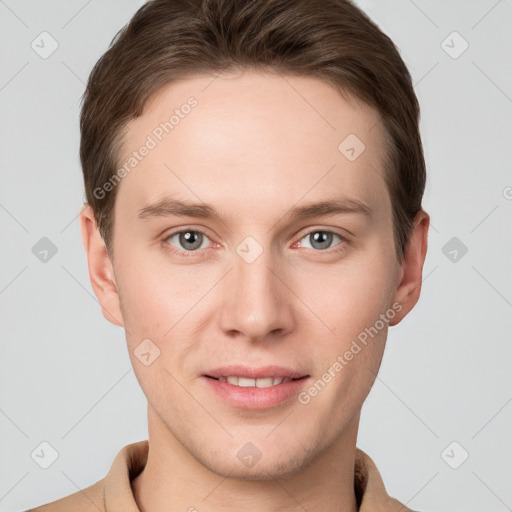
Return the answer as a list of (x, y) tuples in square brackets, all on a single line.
[(189, 240), (320, 240)]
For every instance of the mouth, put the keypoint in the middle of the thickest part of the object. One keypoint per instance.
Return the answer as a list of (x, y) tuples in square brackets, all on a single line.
[(251, 376), (260, 388), (263, 382)]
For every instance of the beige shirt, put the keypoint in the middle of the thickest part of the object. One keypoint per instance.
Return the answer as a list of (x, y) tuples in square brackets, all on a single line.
[(114, 492)]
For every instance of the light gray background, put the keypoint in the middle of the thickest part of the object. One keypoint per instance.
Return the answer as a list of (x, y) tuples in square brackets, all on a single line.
[(65, 375)]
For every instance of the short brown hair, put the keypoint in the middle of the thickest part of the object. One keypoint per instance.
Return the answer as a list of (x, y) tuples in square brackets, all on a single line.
[(332, 40)]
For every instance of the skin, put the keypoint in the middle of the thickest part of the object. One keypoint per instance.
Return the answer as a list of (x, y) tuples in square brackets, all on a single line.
[(255, 146)]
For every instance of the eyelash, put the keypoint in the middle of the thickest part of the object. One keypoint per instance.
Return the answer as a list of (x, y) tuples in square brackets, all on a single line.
[(341, 246)]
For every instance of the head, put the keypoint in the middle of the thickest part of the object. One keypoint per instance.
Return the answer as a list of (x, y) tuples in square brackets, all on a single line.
[(216, 137)]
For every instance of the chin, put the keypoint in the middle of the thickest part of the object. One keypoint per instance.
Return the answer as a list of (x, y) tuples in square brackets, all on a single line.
[(269, 464)]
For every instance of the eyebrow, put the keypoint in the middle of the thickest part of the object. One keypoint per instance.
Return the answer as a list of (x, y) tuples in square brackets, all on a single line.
[(168, 207)]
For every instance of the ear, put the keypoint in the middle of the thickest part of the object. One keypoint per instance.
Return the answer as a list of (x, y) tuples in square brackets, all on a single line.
[(410, 275), (101, 271)]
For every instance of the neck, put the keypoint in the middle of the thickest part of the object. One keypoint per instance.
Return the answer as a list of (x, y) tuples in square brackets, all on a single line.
[(175, 481)]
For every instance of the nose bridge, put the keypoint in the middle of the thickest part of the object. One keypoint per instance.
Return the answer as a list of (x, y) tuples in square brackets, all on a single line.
[(256, 302)]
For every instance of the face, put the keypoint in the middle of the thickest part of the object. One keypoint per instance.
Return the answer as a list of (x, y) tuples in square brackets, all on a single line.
[(254, 276)]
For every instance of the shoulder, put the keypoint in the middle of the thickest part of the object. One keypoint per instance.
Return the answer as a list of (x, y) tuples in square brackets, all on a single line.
[(370, 489), (113, 492), (90, 499)]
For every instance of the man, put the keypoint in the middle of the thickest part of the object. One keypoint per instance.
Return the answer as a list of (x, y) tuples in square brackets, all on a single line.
[(254, 175)]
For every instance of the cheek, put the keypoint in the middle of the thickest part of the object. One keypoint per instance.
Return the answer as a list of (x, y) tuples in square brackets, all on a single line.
[(353, 313), (347, 300), (156, 296)]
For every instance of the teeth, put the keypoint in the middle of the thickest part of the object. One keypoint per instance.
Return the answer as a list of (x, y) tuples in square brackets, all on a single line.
[(266, 383), (244, 382)]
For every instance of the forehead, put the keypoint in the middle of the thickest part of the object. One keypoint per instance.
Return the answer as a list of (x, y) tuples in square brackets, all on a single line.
[(253, 138)]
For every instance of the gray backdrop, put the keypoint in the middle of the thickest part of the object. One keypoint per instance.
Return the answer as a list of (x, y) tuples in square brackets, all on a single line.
[(436, 420)]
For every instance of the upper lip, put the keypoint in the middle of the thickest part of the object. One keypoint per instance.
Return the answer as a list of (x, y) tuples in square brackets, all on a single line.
[(250, 372)]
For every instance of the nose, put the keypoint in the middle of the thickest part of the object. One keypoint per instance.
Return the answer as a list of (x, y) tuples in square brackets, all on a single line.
[(258, 304)]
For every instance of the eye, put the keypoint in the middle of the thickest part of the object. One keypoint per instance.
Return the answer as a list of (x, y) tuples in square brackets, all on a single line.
[(190, 240), (320, 239)]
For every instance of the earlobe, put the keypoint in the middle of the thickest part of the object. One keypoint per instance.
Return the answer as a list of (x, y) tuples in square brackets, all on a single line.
[(410, 275), (101, 271)]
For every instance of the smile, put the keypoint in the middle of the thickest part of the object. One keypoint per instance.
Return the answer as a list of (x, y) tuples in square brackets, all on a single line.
[(245, 382)]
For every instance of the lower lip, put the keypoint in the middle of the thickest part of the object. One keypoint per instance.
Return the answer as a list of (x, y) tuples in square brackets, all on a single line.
[(256, 398)]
